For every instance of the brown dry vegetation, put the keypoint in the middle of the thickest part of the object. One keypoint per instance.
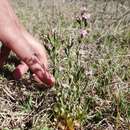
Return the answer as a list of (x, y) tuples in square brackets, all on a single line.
[(92, 91)]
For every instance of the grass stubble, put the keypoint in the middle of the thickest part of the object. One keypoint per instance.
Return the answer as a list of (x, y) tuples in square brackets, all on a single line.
[(88, 45)]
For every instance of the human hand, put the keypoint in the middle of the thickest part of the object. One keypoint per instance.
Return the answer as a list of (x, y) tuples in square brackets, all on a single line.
[(32, 54)]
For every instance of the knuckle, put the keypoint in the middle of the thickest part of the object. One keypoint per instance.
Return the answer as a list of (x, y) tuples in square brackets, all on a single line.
[(31, 60)]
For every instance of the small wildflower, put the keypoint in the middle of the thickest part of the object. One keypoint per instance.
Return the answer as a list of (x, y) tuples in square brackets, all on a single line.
[(86, 16), (83, 9), (83, 33), (89, 73), (53, 30), (78, 19)]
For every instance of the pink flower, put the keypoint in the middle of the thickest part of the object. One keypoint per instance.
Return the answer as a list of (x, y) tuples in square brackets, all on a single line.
[(86, 16), (78, 18), (83, 9), (83, 33)]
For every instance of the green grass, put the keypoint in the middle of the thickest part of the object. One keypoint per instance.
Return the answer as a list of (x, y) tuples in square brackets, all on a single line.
[(92, 73)]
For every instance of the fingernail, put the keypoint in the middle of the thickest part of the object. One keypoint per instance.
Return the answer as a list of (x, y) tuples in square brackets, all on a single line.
[(52, 80), (17, 74)]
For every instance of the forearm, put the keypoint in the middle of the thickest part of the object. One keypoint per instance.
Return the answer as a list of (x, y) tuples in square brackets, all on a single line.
[(9, 30), (6, 13), (8, 18)]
